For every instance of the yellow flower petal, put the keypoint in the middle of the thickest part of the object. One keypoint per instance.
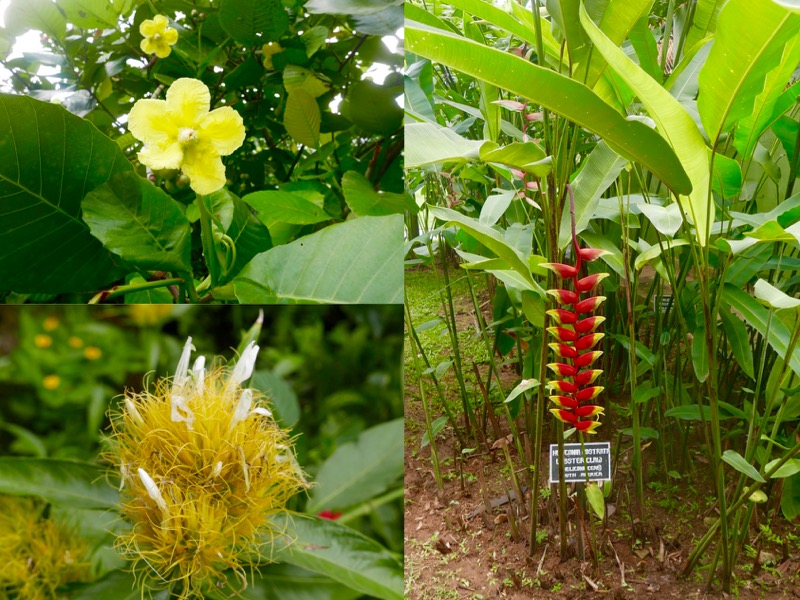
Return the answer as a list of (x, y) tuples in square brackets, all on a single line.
[(148, 28), (170, 36), (162, 49), (223, 129), (203, 166), (167, 155), (147, 46), (150, 122), (188, 100), (161, 22)]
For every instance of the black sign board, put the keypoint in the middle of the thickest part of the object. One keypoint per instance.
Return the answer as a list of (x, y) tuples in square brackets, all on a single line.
[(598, 462)]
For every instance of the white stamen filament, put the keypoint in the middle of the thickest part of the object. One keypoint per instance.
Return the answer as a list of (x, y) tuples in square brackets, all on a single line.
[(152, 490), (179, 404), (245, 470), (199, 373), (187, 135), (242, 409), (132, 411), (217, 470), (182, 371), (244, 367)]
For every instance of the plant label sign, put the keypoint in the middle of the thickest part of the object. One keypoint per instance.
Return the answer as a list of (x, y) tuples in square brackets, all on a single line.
[(598, 462)]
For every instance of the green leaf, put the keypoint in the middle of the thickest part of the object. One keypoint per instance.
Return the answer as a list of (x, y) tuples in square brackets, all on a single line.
[(286, 582), (359, 261), (644, 44), (385, 22), (691, 412), (348, 7), (495, 207), (90, 13), (704, 21), (727, 179), (118, 584), (302, 117), (527, 156), (774, 297), (428, 143), (790, 499), (666, 219), (751, 34), (363, 200), (140, 223), (600, 170), (252, 22), (42, 15), (359, 471), (594, 494), (436, 427), (738, 462), (522, 386), (700, 354), (343, 554), (285, 207), (739, 341), (373, 108), (282, 398), (673, 122), (153, 296), (49, 160), (61, 482), (635, 140), (787, 469)]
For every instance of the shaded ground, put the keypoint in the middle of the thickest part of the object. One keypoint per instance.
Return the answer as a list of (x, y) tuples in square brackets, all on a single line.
[(454, 550)]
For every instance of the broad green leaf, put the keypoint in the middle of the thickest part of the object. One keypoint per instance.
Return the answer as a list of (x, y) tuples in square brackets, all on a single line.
[(553, 91), (493, 14), (738, 462), (42, 15), (751, 34), (704, 21), (252, 22), (302, 117), (360, 470), (674, 123), (90, 13), (526, 156), (429, 143), (364, 201), (727, 179), (522, 386), (285, 207), (285, 582), (614, 257), (298, 78), (60, 482), (489, 238), (600, 170), (139, 223), (118, 584), (757, 316), (153, 296), (594, 494), (774, 297), (348, 7), (564, 15), (790, 499), (644, 44), (789, 468), (373, 108), (49, 160), (282, 398), (359, 261), (436, 426), (700, 354), (666, 219), (495, 207), (385, 22), (739, 341), (343, 554)]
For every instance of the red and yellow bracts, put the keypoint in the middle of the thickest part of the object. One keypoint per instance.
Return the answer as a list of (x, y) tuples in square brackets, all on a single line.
[(576, 336)]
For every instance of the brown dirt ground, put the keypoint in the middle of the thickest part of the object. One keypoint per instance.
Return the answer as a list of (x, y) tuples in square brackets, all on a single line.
[(453, 553)]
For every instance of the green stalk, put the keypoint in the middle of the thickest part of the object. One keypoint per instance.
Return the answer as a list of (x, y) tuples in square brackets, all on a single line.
[(121, 290)]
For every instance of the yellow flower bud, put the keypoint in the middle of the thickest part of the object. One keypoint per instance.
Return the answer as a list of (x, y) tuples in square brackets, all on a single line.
[(51, 382), (50, 323), (75, 342)]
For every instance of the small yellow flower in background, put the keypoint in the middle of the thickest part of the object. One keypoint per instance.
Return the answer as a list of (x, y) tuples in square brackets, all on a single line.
[(158, 36), (38, 555), (204, 468), (50, 323), (268, 51), (92, 352), (181, 133), (75, 342), (51, 382), (147, 315), (43, 341)]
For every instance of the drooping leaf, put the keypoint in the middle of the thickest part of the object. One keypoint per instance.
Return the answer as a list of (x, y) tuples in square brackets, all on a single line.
[(360, 470), (594, 494), (739, 341), (139, 223), (429, 143), (436, 426), (666, 219), (359, 261), (343, 554), (738, 462), (363, 200), (787, 469), (302, 117), (49, 160), (558, 93), (252, 22), (521, 387), (60, 482), (774, 297)]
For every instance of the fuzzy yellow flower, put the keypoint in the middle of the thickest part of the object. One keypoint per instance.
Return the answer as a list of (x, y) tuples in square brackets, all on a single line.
[(50, 323), (204, 469), (181, 133), (268, 51), (75, 342), (42, 341), (92, 352), (158, 36), (51, 382)]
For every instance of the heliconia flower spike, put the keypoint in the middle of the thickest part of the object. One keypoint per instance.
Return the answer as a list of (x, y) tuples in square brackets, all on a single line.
[(575, 337), (562, 270)]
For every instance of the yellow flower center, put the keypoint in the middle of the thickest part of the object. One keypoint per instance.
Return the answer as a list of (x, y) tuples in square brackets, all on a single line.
[(187, 135)]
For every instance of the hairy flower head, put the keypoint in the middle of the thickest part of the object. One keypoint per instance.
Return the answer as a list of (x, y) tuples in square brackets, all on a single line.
[(181, 133), (37, 555), (204, 468), (157, 36)]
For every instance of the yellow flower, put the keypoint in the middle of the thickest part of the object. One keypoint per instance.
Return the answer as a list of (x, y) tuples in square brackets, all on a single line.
[(43, 341), (181, 133), (147, 315), (75, 342), (51, 382), (93, 353), (158, 36), (50, 323), (268, 51), (204, 469)]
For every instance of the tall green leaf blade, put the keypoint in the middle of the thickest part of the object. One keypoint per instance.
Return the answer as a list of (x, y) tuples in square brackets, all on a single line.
[(343, 554), (49, 160), (739, 341), (738, 462), (635, 140), (61, 482), (750, 39), (140, 223), (674, 123), (359, 261), (704, 21), (360, 470)]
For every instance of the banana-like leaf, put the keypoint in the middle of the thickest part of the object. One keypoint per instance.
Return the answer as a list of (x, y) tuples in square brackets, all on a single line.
[(635, 140), (704, 21)]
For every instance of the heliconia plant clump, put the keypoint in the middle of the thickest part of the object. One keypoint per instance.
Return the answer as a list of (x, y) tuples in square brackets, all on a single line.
[(576, 336)]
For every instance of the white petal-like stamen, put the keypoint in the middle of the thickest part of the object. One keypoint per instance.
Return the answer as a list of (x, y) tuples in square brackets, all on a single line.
[(182, 371), (242, 409), (199, 374), (152, 490), (133, 412), (244, 367), (179, 404), (261, 411), (217, 470)]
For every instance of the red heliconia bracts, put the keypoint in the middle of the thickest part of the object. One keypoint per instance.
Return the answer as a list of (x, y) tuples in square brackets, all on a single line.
[(576, 336)]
